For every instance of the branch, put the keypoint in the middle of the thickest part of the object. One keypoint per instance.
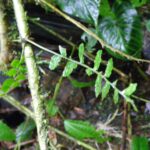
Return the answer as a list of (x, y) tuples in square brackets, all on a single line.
[(17, 105), (33, 78)]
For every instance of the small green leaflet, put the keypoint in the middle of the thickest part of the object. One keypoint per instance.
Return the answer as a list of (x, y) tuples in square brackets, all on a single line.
[(70, 66), (89, 72), (12, 72), (130, 89), (109, 68), (98, 85), (6, 133), (105, 90), (81, 53), (20, 77), (8, 84), (139, 143), (98, 60), (24, 130), (82, 130), (116, 94), (62, 51), (15, 63), (54, 62)]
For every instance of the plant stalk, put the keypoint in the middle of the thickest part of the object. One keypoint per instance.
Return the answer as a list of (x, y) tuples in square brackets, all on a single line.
[(33, 78)]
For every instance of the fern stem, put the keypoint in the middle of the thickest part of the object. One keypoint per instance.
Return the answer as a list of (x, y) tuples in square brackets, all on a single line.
[(81, 26)]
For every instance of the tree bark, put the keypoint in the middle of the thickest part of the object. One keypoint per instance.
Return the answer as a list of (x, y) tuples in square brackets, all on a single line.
[(5, 55)]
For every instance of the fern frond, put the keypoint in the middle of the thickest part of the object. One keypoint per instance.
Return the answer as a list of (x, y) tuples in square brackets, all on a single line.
[(104, 90)]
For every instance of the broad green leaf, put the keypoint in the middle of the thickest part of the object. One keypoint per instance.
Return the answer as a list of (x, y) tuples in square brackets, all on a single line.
[(81, 53), (6, 133), (98, 60), (87, 10), (105, 90), (89, 72), (25, 130), (98, 85), (109, 68), (54, 62), (62, 51), (139, 143), (82, 130), (70, 66), (116, 94), (51, 108), (148, 25), (78, 84), (124, 31), (130, 89)]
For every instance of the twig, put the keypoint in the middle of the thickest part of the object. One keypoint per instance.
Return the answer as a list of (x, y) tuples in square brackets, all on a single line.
[(81, 26), (17, 105), (124, 127), (112, 118), (145, 126), (22, 144), (141, 99)]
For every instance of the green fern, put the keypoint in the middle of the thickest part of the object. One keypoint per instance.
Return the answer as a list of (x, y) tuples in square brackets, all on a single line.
[(104, 90)]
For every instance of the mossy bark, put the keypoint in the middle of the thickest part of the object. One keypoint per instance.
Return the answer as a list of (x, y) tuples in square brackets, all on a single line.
[(33, 78), (5, 55)]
